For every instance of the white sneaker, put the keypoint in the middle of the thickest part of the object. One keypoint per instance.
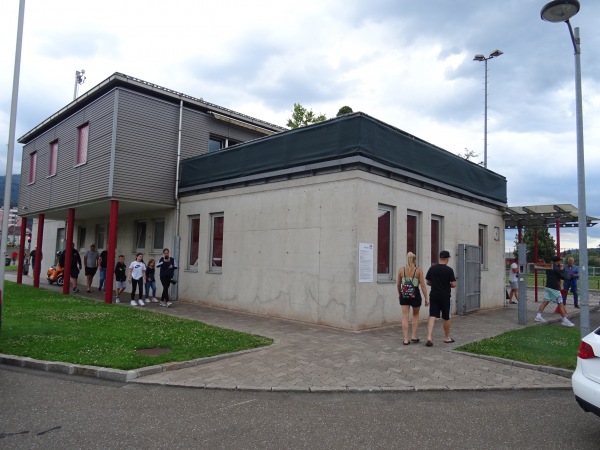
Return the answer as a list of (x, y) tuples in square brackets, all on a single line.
[(169, 304), (133, 303), (146, 300), (141, 302), (117, 300), (154, 300), (539, 318), (163, 303), (567, 323)]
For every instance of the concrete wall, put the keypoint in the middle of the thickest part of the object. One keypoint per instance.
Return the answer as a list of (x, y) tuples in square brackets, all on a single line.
[(291, 248)]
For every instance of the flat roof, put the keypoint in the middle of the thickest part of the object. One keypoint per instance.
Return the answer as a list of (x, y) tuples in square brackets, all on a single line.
[(121, 80), (354, 136)]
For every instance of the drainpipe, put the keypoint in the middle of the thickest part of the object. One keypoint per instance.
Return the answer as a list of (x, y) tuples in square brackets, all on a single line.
[(177, 238)]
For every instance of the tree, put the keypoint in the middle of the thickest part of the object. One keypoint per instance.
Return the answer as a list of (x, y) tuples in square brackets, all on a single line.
[(302, 117), (470, 154), (546, 245), (344, 110)]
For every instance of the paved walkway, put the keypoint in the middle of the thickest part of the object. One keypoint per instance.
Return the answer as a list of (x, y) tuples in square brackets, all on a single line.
[(307, 357)]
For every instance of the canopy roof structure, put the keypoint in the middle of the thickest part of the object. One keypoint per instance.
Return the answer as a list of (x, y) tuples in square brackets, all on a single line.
[(544, 216)]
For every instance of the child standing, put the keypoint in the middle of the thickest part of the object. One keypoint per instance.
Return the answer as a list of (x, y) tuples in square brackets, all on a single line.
[(120, 277), (137, 277), (150, 282)]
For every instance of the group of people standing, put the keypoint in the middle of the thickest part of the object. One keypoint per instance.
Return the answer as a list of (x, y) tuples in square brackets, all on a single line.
[(139, 274), (441, 279)]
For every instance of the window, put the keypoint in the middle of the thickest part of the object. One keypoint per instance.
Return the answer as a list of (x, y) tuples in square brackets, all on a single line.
[(158, 235), (216, 143), (412, 233), (140, 236), (436, 239), (384, 242), (194, 241), (82, 144), (32, 167), (216, 239), (100, 236), (81, 238), (53, 158), (483, 245)]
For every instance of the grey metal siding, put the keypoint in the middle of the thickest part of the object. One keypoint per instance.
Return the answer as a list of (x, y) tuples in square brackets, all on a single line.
[(146, 148), (71, 184), (198, 126)]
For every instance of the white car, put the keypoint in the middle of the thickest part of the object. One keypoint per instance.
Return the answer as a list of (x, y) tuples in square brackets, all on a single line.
[(586, 378)]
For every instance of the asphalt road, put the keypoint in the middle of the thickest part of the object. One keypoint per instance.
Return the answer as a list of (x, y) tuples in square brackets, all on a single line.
[(51, 411)]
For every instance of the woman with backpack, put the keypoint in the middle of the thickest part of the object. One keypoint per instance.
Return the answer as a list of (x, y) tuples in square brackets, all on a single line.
[(410, 277)]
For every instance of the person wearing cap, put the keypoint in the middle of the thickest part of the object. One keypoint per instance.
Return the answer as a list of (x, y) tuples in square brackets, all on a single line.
[(441, 279), (513, 279), (552, 293)]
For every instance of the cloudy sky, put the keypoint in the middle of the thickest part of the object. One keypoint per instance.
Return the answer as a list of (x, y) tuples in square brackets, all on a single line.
[(407, 63)]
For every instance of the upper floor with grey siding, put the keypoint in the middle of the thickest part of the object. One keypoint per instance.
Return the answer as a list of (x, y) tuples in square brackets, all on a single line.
[(134, 144)]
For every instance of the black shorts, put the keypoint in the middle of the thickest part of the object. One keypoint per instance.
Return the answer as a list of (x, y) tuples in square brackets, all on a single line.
[(439, 305), (91, 271), (74, 272), (414, 302)]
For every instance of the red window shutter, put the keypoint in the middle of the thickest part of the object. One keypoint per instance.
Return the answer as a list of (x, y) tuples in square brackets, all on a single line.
[(82, 144)]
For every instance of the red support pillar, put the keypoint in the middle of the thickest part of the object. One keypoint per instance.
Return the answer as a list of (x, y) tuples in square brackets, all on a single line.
[(535, 261), (112, 244), (38, 251), (68, 251), (558, 238), (22, 250)]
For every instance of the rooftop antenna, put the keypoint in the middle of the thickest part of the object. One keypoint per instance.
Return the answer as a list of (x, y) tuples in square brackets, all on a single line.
[(79, 79)]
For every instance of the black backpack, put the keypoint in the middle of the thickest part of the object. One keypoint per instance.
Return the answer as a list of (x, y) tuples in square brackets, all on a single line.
[(407, 288)]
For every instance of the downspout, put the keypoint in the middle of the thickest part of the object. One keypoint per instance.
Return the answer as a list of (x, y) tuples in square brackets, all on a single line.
[(177, 238)]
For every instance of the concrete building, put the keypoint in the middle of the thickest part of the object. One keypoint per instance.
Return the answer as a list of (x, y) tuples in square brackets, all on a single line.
[(308, 224), (312, 224)]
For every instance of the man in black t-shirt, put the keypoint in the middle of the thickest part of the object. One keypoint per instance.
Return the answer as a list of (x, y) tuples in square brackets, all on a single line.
[(441, 279)]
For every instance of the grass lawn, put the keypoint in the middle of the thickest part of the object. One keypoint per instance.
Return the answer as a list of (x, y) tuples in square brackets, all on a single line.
[(50, 326), (537, 344)]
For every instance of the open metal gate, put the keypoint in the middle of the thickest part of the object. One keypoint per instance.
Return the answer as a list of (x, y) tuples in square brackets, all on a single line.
[(468, 292)]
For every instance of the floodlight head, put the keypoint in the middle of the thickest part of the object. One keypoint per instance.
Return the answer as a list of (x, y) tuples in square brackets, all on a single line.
[(496, 53), (479, 58), (559, 10)]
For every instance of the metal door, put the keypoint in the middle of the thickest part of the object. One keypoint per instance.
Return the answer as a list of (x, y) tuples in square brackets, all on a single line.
[(468, 291)]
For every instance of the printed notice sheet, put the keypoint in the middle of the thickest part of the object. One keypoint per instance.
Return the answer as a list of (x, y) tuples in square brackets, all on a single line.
[(365, 263)]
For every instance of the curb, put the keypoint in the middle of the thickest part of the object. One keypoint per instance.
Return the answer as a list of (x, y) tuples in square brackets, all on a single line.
[(105, 373), (565, 373)]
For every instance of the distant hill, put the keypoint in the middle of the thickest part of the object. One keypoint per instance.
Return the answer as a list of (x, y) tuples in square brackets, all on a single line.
[(14, 192)]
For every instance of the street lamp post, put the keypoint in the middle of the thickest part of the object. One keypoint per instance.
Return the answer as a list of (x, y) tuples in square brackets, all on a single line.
[(494, 54), (561, 11)]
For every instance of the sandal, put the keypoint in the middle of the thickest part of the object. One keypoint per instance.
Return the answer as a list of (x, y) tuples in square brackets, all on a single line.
[(429, 344), (450, 341), (416, 341), (406, 342)]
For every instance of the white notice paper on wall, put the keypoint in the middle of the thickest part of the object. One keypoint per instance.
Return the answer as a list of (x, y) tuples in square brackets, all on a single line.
[(365, 263)]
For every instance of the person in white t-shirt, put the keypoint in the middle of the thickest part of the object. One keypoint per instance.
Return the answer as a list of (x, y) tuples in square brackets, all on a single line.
[(137, 278)]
